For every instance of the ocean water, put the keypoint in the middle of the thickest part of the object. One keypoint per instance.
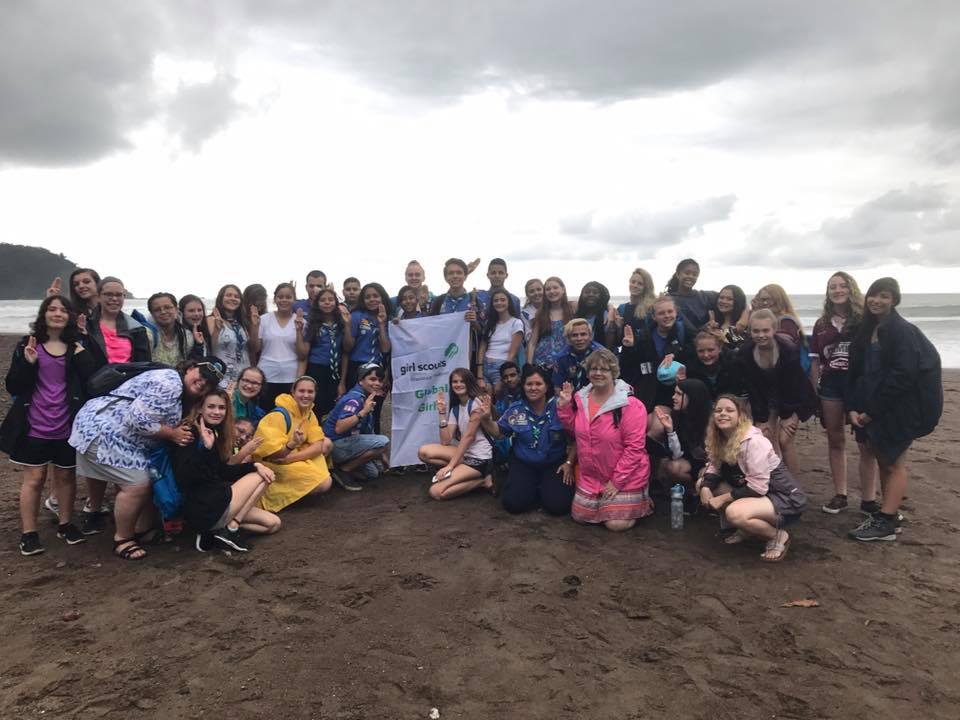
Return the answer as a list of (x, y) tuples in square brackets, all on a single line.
[(938, 315)]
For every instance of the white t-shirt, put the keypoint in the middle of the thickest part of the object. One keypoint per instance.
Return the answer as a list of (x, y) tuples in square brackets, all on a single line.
[(278, 354), (498, 346), (480, 448)]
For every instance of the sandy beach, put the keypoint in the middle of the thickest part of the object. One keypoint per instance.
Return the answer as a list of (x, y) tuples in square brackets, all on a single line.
[(385, 604)]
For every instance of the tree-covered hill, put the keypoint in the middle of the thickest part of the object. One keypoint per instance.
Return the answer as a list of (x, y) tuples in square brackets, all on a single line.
[(26, 272)]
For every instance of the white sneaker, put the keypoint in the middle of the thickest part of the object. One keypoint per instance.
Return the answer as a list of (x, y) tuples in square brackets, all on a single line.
[(52, 506)]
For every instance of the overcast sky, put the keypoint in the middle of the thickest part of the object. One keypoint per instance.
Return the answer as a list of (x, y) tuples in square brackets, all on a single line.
[(182, 145)]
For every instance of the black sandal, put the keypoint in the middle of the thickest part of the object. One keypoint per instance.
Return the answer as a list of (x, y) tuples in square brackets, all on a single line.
[(128, 552)]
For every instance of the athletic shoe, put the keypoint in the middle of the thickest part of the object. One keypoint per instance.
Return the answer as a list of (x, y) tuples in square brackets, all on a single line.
[(231, 539), (345, 480), (204, 541), (869, 507), (419, 468), (69, 532), (52, 506), (30, 544), (875, 528), (91, 523), (837, 504)]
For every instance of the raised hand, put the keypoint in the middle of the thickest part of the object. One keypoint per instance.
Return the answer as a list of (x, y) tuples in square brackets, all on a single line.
[(473, 265), (206, 434), (254, 316), (665, 418), (217, 319), (82, 323), (613, 317), (481, 406), (298, 321), (628, 336), (298, 436), (381, 313), (198, 334), (230, 388), (667, 360), (55, 287), (344, 314), (565, 395), (441, 403), (370, 403), (712, 322), (30, 350)]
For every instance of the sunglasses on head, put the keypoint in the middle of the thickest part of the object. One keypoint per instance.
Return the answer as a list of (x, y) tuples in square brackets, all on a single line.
[(212, 367)]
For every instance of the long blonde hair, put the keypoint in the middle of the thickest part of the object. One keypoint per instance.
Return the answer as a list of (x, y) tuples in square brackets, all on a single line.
[(643, 307), (782, 307), (721, 449), (854, 304)]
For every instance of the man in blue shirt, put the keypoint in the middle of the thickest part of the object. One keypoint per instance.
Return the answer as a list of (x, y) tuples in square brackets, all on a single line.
[(497, 275), (316, 281), (356, 448), (570, 361)]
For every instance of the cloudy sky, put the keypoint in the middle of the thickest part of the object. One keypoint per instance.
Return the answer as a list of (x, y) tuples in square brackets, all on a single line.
[(183, 145)]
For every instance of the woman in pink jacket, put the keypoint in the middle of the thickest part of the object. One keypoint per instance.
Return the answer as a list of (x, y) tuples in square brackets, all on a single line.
[(610, 427)]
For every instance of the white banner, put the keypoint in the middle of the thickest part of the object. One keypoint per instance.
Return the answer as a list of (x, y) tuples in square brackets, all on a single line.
[(424, 353)]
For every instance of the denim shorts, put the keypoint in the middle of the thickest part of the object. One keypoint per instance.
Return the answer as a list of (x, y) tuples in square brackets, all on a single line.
[(491, 371), (832, 386), (347, 448)]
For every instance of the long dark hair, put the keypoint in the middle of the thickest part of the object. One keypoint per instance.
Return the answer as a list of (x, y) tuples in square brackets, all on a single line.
[(316, 318), (739, 304), (241, 315), (861, 341), (674, 284), (403, 291), (695, 417), (384, 298), (204, 330), (470, 380), (255, 294), (223, 445), (492, 317), (598, 309), (70, 332), (545, 375), (79, 304)]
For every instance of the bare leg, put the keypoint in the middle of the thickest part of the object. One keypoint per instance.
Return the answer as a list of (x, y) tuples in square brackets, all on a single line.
[(869, 473), (788, 451), (894, 479), (754, 516), (261, 522), (244, 495), (463, 479), (131, 500), (96, 490), (436, 454), (619, 525), (836, 441), (30, 489), (65, 488)]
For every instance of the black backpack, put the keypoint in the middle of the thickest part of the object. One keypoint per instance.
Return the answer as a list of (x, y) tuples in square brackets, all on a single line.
[(108, 378)]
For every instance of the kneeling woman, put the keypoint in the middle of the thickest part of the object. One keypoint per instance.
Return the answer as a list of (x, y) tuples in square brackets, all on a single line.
[(747, 481), (293, 447), (464, 453), (218, 497), (610, 426), (541, 473)]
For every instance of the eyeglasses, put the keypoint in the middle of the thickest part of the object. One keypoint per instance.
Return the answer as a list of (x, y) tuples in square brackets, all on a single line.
[(597, 369), (252, 383), (112, 296)]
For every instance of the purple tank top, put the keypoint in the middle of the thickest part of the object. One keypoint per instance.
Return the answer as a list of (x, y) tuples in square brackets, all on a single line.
[(49, 411)]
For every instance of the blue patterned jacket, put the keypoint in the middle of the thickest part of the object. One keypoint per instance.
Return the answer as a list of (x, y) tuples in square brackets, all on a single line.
[(124, 428)]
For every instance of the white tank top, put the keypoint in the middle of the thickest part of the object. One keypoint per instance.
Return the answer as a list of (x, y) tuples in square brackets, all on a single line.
[(480, 448)]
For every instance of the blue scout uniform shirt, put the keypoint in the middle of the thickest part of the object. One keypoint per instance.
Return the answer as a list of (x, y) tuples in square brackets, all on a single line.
[(570, 367), (483, 300), (347, 406), (327, 347), (537, 439), (301, 305), (452, 304), (366, 336)]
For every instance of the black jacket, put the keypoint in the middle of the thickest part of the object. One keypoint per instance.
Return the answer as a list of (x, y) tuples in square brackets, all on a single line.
[(638, 364), (126, 327), (21, 380), (204, 480), (729, 378), (904, 397), (796, 394)]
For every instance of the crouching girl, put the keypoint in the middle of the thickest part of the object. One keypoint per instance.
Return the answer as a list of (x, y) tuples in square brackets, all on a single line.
[(219, 498), (747, 482)]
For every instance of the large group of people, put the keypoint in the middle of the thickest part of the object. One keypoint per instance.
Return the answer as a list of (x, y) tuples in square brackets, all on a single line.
[(579, 408)]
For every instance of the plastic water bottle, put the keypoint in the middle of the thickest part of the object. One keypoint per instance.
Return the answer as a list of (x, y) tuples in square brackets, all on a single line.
[(676, 507)]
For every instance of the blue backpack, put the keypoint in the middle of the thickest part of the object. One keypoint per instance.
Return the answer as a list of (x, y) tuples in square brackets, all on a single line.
[(166, 494)]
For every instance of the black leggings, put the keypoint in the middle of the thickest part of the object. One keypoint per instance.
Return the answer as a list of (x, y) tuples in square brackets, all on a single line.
[(326, 388), (529, 486)]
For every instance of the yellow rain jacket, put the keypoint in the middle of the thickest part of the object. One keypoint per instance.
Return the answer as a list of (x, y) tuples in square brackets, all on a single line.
[(296, 479)]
